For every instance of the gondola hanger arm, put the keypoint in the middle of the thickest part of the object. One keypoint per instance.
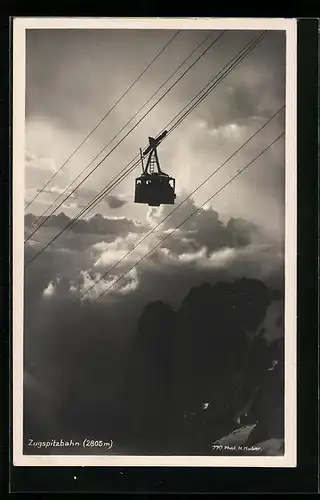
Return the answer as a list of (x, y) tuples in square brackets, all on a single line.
[(154, 142)]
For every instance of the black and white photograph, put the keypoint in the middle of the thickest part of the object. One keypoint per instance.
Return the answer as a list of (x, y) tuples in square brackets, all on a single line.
[(154, 242)]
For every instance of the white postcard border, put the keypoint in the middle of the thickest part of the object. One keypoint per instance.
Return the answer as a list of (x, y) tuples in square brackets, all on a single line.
[(20, 25)]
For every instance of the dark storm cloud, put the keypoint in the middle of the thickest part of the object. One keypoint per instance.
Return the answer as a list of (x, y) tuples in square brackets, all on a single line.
[(115, 201), (205, 229), (236, 233), (241, 103), (256, 89)]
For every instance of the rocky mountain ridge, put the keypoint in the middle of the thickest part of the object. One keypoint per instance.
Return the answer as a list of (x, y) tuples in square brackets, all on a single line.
[(202, 371)]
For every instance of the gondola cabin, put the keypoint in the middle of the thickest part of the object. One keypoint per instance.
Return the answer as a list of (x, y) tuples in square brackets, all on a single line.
[(154, 187), (155, 190)]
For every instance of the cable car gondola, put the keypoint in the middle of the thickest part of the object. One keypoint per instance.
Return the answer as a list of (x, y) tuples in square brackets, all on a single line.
[(154, 188)]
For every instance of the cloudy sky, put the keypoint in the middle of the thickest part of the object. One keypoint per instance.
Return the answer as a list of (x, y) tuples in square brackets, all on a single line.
[(73, 77)]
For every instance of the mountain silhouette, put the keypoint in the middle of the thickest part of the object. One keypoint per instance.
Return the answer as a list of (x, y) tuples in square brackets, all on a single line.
[(199, 372)]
